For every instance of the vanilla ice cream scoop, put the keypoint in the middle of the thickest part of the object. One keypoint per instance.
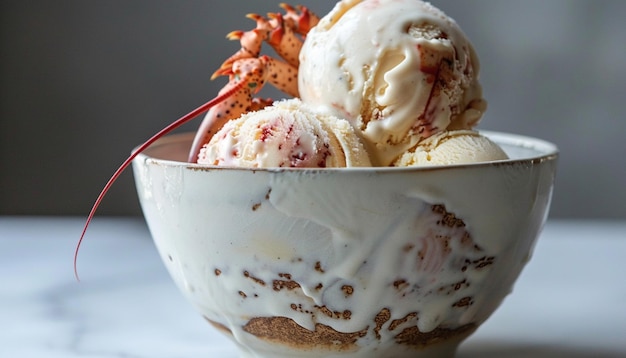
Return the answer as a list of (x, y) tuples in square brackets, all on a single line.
[(398, 70), (286, 134), (450, 148)]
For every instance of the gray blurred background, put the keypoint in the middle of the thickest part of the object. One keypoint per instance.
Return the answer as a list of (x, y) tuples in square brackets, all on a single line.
[(83, 82)]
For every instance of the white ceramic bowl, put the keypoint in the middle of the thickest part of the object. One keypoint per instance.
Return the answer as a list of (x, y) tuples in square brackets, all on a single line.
[(358, 262)]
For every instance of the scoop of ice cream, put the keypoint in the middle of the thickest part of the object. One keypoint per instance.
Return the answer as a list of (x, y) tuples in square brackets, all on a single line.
[(398, 70), (452, 147), (286, 134)]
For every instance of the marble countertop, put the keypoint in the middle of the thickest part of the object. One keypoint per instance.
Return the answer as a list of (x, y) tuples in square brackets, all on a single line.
[(569, 302)]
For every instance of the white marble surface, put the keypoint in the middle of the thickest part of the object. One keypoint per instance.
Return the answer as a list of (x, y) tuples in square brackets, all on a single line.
[(569, 302)]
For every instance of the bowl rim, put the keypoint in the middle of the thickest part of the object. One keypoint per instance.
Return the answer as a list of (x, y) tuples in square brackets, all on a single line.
[(548, 151)]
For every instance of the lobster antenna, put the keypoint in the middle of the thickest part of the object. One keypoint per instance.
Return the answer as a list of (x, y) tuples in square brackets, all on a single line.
[(184, 119)]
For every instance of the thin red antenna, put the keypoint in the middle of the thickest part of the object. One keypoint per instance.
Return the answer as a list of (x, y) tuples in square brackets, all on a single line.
[(186, 118)]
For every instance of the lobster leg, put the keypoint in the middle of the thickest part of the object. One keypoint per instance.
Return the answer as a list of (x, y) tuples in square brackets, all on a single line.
[(300, 19), (280, 37), (251, 42)]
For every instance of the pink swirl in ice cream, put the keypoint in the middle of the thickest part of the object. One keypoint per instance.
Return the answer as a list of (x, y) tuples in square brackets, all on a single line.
[(286, 134)]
